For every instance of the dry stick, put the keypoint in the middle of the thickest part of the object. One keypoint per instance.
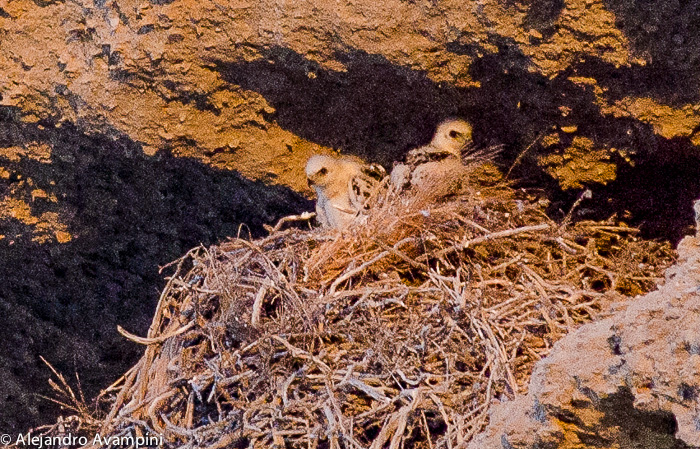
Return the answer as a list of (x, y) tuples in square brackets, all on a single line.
[(387, 429), (61, 379), (63, 405), (106, 425), (156, 340), (189, 412), (472, 224), (226, 440), (563, 245), (166, 290), (139, 375), (500, 311), (441, 408), (585, 195), (401, 255), (287, 383), (339, 415), (257, 306), (281, 278), (522, 154), (302, 217), (403, 418), (179, 261), (506, 233), (176, 429), (501, 353), (330, 433), (212, 261), (614, 228), (484, 238), (142, 377), (366, 389), (152, 409), (297, 352), (362, 267), (426, 429), (114, 385), (506, 264)]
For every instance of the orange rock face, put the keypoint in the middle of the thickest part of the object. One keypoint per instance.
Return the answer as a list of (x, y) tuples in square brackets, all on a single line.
[(257, 86)]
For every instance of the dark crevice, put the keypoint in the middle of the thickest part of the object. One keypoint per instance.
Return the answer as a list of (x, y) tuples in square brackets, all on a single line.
[(640, 428), (666, 35), (667, 85), (542, 16), (614, 342), (374, 109), (622, 425)]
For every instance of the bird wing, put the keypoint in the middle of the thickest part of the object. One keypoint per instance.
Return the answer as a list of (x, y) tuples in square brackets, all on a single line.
[(470, 154), (477, 156), (425, 154), (366, 184), (373, 171)]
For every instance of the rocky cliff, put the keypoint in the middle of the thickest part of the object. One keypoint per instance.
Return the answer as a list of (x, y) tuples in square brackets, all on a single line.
[(132, 130)]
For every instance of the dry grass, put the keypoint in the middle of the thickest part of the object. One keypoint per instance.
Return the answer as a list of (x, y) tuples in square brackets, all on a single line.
[(396, 332)]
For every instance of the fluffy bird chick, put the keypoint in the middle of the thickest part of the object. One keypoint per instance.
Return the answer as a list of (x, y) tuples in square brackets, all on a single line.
[(342, 187), (451, 136), (439, 161)]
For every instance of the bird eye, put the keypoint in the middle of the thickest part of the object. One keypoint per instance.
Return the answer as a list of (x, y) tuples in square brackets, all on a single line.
[(454, 133), (323, 171)]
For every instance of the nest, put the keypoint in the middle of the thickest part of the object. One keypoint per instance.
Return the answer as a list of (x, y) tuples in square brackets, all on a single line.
[(398, 331)]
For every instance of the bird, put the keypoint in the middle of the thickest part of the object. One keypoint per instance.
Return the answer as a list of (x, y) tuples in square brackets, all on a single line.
[(443, 159), (342, 185)]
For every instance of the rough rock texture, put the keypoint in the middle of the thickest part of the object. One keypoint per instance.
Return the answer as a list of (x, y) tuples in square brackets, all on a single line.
[(629, 381), (259, 85), (133, 129)]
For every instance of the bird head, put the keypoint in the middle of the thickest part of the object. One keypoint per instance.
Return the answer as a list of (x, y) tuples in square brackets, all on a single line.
[(318, 170), (452, 135)]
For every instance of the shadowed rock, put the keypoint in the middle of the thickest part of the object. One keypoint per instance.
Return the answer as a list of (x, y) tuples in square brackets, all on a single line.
[(127, 214)]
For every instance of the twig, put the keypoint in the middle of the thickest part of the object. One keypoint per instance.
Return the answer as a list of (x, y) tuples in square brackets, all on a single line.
[(585, 195), (155, 340), (296, 352), (257, 306), (522, 154), (362, 267), (487, 237), (304, 216)]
